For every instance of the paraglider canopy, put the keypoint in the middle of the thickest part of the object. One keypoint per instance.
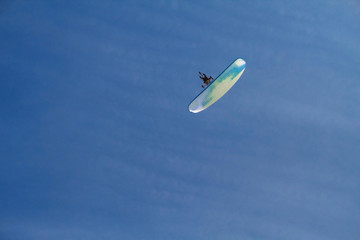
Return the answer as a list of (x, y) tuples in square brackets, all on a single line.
[(215, 90)]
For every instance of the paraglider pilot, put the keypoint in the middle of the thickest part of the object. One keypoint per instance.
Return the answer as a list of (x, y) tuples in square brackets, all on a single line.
[(207, 80)]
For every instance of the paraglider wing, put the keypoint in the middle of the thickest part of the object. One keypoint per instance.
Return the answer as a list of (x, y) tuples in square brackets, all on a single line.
[(218, 87)]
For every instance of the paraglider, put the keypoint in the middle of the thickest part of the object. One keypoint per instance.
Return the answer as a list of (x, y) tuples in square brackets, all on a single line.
[(218, 87), (207, 80)]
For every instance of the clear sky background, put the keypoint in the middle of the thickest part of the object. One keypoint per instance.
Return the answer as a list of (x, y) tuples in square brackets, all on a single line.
[(96, 141)]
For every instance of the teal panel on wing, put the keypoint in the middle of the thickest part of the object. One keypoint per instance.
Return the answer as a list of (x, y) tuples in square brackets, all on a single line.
[(218, 87)]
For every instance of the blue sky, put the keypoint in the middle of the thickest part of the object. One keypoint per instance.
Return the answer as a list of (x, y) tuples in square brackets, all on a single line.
[(97, 143)]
